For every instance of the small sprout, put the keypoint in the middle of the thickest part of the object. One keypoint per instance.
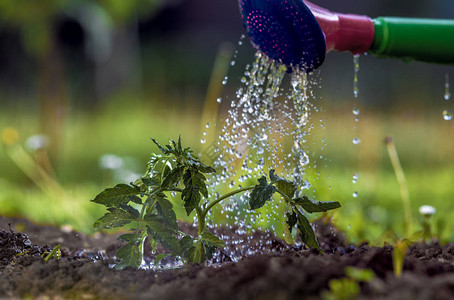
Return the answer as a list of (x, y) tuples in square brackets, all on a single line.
[(427, 210), (399, 253), (54, 253)]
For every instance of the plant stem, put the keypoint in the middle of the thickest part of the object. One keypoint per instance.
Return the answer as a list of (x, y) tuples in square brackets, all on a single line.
[(287, 198), (210, 206), (201, 219)]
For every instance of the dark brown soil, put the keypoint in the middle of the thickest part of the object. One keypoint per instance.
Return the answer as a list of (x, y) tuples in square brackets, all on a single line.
[(244, 270)]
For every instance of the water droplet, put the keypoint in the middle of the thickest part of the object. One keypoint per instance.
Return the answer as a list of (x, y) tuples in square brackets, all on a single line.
[(355, 177), (219, 100), (355, 75), (355, 111), (447, 95), (356, 140), (447, 115), (355, 194), (207, 125), (224, 82), (232, 63), (203, 141)]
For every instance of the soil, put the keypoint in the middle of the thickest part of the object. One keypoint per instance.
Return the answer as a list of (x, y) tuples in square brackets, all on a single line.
[(245, 269)]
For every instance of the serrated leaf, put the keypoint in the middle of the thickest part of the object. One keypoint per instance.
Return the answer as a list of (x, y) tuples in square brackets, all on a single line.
[(130, 256), (212, 240), (194, 188), (206, 169), (285, 186), (130, 237), (185, 243), (160, 257), (163, 150), (131, 210), (261, 193), (120, 194), (152, 181), (163, 233), (312, 206), (165, 209), (135, 199), (306, 232), (173, 177), (180, 149), (116, 217)]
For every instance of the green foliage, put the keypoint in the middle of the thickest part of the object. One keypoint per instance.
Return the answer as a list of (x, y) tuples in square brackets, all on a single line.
[(176, 170), (348, 287), (264, 192), (261, 193)]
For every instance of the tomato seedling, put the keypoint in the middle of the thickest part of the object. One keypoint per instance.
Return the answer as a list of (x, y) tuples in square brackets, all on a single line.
[(177, 171)]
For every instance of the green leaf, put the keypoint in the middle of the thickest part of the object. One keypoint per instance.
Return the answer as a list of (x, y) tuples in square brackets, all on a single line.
[(173, 177), (291, 221), (285, 186), (151, 181), (163, 150), (131, 210), (135, 199), (194, 187), (196, 254), (120, 194), (306, 232), (160, 257), (206, 169), (312, 206), (165, 209), (186, 243), (212, 240), (130, 255), (163, 233), (130, 237), (116, 217), (179, 148), (261, 193)]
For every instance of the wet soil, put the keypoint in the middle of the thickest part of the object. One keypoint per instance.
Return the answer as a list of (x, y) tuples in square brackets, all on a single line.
[(243, 270)]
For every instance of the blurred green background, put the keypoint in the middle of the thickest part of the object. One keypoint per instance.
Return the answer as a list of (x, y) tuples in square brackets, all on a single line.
[(90, 81)]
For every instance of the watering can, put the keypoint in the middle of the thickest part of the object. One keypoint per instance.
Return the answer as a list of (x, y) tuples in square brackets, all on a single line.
[(299, 34)]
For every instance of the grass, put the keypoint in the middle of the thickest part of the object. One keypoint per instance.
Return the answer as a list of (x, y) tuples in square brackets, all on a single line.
[(123, 128)]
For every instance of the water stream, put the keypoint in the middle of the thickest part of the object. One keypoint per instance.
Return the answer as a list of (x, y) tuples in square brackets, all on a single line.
[(267, 126), (447, 113)]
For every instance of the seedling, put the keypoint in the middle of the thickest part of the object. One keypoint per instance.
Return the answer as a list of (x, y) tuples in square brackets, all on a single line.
[(54, 253), (145, 203), (427, 212), (348, 287)]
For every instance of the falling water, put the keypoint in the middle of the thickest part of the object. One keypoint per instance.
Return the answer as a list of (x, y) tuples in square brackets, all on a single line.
[(447, 95), (355, 75), (267, 126), (356, 112), (447, 114)]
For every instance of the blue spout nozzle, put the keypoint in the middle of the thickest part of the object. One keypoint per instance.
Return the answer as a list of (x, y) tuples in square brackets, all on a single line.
[(286, 31)]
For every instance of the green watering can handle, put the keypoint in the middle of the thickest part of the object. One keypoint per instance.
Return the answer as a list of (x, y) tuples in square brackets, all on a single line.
[(409, 39)]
